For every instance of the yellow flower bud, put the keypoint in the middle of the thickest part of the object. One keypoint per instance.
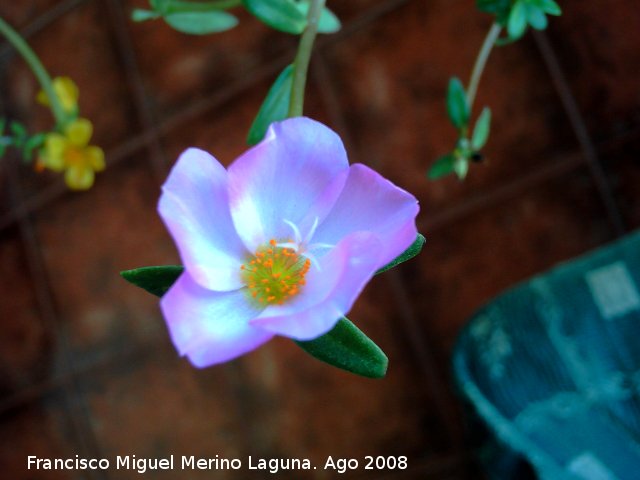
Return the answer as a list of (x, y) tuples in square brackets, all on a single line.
[(67, 92)]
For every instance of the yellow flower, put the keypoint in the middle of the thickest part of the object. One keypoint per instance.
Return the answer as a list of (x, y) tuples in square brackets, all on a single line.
[(67, 92), (72, 154)]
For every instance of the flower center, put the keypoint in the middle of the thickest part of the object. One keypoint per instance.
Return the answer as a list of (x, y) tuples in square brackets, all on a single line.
[(74, 157), (275, 274)]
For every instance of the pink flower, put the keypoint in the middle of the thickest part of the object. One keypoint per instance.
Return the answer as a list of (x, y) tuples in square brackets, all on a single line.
[(281, 243)]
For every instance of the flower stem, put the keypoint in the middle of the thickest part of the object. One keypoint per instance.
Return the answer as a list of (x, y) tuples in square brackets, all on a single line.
[(481, 61), (37, 68), (301, 62)]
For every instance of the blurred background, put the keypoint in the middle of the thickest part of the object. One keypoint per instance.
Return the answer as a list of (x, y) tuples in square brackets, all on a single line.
[(86, 366)]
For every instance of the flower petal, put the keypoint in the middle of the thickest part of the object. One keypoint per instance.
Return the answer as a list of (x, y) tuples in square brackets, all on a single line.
[(95, 156), (67, 92), (330, 290), (371, 203), (210, 327), (297, 169), (194, 206), (79, 177), (79, 132), (52, 154)]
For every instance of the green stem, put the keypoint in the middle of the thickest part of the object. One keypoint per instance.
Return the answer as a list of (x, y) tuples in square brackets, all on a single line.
[(301, 63), (178, 6), (38, 70), (481, 61)]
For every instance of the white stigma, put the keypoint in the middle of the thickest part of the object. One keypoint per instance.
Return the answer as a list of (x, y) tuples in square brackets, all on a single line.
[(304, 247)]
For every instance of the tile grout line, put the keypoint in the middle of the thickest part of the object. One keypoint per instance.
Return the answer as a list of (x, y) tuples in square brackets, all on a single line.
[(127, 57), (322, 78), (34, 27), (483, 200), (51, 320), (43, 388), (125, 53), (417, 341), (581, 132), (414, 334)]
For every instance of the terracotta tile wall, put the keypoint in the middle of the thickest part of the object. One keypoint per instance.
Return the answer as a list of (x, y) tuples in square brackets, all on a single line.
[(86, 366)]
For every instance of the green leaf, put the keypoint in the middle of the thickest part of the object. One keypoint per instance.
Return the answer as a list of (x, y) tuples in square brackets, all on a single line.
[(155, 280), (443, 166), (140, 15), (328, 23), (481, 129), (201, 23), (275, 106), (19, 132), (4, 141), (283, 15), (499, 8), (493, 6), (536, 17), (413, 250), (548, 6), (517, 23), (160, 6), (347, 348), (461, 167), (457, 106), (32, 144)]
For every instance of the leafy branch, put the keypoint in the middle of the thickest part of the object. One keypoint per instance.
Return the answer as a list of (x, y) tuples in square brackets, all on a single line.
[(514, 17)]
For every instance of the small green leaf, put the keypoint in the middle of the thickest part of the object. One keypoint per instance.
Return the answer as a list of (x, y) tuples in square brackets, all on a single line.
[(536, 17), (33, 143), (413, 250), (155, 280), (328, 23), (461, 167), (481, 129), (275, 106), (517, 23), (19, 132), (140, 15), (499, 8), (283, 15), (347, 348), (201, 23), (548, 6), (457, 106), (160, 6), (493, 6), (443, 166)]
